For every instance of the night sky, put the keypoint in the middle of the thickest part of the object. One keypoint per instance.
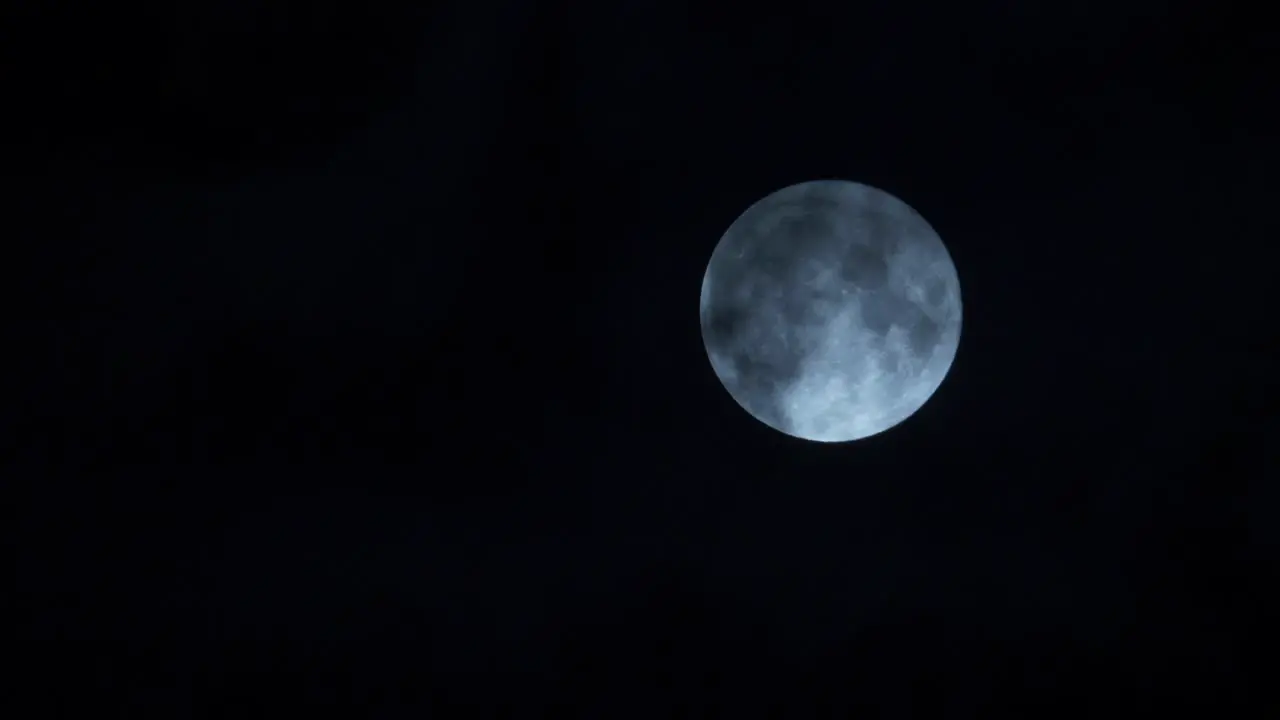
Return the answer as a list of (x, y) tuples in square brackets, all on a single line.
[(356, 364)]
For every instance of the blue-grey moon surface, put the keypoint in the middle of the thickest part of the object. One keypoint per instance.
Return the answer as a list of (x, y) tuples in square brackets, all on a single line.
[(831, 311)]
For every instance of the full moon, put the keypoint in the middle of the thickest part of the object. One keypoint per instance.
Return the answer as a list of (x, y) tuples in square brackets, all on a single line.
[(831, 311)]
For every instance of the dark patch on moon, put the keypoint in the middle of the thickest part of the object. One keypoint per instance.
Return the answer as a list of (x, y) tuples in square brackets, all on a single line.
[(879, 230), (882, 309), (757, 346), (864, 267), (811, 227), (781, 234), (819, 204), (935, 291), (764, 262), (924, 335), (722, 325), (760, 379)]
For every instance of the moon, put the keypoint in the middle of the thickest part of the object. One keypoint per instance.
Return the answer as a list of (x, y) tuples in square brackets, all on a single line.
[(831, 311)]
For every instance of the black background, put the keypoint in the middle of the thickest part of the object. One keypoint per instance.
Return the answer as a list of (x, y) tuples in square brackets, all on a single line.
[(355, 363)]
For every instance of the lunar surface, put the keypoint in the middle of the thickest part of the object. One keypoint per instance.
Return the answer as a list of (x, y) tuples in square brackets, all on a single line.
[(831, 311)]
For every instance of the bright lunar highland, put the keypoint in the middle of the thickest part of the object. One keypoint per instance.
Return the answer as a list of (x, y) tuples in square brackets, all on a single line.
[(831, 311)]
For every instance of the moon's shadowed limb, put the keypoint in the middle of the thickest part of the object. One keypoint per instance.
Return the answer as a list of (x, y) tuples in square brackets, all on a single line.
[(830, 311)]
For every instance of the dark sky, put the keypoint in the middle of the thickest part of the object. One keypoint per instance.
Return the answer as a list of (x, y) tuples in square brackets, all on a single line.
[(357, 361)]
